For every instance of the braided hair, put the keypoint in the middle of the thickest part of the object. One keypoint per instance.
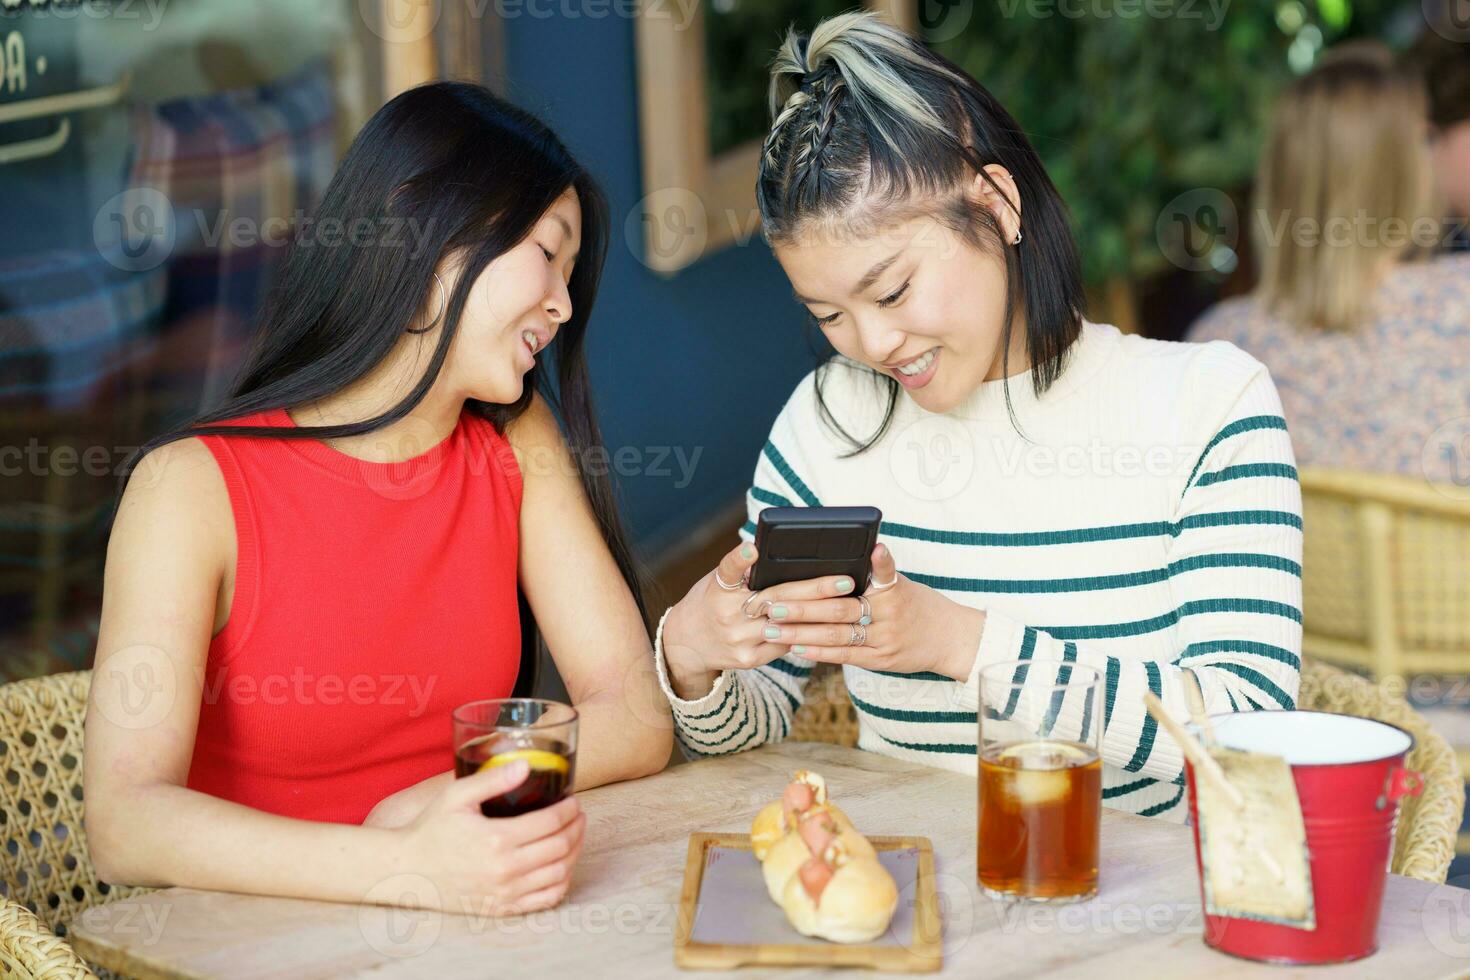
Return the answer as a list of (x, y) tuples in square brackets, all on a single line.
[(870, 127)]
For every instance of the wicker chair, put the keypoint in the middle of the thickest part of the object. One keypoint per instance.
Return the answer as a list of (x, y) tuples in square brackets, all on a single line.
[(47, 878), (1427, 825), (1424, 843), (1385, 574), (826, 714)]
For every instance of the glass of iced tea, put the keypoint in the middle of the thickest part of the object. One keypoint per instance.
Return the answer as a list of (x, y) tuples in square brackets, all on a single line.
[(1040, 781), (505, 730)]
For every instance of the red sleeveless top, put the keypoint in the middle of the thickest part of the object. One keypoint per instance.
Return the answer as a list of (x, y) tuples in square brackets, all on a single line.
[(371, 600)]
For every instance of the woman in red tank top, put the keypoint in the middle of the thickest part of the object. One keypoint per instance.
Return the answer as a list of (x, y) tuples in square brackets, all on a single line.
[(303, 582)]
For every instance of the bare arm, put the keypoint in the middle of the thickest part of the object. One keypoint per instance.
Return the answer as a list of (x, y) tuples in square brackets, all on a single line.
[(587, 614), (169, 547)]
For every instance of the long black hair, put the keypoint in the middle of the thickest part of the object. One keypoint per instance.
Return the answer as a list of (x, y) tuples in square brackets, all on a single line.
[(864, 117), (465, 172)]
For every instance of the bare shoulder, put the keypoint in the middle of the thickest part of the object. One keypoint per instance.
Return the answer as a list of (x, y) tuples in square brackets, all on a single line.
[(175, 503), (535, 432)]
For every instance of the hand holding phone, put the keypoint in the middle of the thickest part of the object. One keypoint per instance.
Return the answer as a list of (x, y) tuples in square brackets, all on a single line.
[(799, 543)]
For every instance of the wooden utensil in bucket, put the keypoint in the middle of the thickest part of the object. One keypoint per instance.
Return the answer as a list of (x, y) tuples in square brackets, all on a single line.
[(1252, 839)]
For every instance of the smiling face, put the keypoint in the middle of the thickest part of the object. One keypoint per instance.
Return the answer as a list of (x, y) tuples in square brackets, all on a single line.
[(514, 309), (915, 300)]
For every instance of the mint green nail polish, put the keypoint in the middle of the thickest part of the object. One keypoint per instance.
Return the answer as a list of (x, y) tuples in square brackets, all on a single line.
[(745, 551), (773, 633), (798, 649), (779, 612), (844, 585)]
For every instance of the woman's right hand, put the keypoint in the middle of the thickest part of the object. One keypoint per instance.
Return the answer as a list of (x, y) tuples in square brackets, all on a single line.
[(708, 631), (494, 865)]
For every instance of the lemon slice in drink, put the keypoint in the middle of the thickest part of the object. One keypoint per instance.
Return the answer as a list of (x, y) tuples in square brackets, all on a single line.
[(1043, 755), (1040, 771), (538, 759)]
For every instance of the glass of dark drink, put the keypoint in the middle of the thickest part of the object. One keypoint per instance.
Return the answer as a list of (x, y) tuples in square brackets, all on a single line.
[(501, 731), (1040, 781)]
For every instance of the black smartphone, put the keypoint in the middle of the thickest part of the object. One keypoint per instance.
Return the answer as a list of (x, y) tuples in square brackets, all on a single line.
[(797, 543)]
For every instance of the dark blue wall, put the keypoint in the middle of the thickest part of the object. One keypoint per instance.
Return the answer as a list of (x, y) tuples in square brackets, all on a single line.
[(703, 359)]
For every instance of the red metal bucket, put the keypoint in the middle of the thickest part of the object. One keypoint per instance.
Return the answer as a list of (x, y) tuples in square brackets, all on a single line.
[(1349, 775)]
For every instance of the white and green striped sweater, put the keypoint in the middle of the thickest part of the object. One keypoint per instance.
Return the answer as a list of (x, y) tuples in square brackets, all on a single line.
[(1145, 520)]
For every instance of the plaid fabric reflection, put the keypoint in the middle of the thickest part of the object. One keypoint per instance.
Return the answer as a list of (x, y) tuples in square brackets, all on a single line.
[(76, 340), (239, 169), (107, 344)]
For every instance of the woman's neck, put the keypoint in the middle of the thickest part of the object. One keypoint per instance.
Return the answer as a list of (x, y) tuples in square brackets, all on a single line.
[(427, 424), (1019, 361)]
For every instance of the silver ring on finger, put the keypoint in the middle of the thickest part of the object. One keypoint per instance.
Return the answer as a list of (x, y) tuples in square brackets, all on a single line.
[(881, 586), (866, 619), (859, 635), (726, 585), (764, 608)]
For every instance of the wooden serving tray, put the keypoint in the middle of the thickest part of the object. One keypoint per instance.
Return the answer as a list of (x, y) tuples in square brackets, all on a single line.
[(922, 951)]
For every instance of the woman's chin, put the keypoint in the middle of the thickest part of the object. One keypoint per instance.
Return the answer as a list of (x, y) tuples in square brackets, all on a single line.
[(934, 399), (502, 391)]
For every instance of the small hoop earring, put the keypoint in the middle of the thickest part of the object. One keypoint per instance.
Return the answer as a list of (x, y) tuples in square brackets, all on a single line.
[(1017, 239), (443, 305)]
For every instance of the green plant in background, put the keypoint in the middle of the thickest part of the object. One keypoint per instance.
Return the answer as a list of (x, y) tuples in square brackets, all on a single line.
[(1129, 102), (740, 39), (1130, 109)]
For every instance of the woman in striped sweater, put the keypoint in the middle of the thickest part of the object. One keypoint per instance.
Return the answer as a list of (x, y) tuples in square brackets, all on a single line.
[(1053, 491)]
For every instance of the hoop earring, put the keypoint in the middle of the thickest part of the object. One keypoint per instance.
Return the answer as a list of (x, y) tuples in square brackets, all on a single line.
[(443, 305), (1017, 239)]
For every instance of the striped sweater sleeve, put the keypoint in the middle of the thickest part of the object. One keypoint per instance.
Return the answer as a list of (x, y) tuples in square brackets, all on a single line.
[(747, 708), (1235, 582)]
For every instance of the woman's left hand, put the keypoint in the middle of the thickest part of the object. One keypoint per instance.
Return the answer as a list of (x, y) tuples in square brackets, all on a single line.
[(913, 628)]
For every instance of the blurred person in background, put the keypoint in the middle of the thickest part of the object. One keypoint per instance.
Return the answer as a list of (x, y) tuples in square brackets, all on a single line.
[(1445, 68), (1365, 330)]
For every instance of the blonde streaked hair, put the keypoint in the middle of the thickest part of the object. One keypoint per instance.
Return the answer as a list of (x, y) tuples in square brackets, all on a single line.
[(1341, 183), (869, 127)]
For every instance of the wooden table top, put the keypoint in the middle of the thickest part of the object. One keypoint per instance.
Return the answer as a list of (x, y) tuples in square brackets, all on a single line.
[(621, 914)]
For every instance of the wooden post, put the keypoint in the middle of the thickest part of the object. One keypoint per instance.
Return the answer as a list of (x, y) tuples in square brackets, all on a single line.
[(409, 56)]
